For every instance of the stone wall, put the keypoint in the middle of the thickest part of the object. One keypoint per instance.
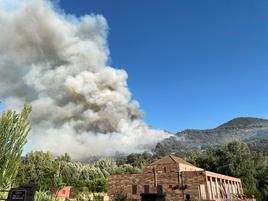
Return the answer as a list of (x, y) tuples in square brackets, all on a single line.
[(123, 184), (156, 178), (165, 176), (195, 182), (175, 180)]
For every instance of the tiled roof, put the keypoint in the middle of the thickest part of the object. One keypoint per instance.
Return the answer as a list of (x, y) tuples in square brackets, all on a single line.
[(180, 160), (171, 159)]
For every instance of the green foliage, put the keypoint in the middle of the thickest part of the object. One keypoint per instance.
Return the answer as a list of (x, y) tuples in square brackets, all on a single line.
[(65, 158), (82, 197), (46, 172), (261, 175), (44, 196), (40, 169), (14, 128), (98, 185), (107, 166), (171, 145), (139, 160), (70, 173), (3, 195), (127, 169)]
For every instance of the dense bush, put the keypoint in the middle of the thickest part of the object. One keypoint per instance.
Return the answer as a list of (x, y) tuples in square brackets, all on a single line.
[(41, 169)]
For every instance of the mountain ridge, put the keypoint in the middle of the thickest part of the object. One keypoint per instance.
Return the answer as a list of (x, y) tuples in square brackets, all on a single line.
[(234, 123), (249, 130), (243, 122)]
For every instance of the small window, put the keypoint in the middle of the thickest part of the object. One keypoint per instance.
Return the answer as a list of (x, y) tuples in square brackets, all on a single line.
[(170, 186), (165, 169), (146, 188), (134, 189), (159, 189)]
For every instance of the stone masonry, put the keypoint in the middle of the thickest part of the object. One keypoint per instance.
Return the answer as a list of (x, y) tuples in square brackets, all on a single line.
[(175, 178)]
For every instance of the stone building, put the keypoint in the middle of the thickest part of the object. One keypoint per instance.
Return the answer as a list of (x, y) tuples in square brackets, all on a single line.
[(171, 178)]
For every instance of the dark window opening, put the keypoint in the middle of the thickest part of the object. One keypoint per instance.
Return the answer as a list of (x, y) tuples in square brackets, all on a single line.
[(134, 189), (165, 169), (170, 186), (159, 189), (146, 188)]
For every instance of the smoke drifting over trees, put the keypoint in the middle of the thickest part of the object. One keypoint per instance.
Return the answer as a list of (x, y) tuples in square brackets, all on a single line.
[(58, 64)]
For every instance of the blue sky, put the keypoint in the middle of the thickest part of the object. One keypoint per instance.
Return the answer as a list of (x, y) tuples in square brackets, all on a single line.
[(191, 64)]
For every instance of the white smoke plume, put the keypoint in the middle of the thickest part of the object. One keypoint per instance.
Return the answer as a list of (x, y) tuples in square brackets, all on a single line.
[(58, 64)]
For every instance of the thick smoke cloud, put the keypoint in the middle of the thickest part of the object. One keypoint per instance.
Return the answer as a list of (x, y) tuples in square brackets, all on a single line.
[(58, 64)]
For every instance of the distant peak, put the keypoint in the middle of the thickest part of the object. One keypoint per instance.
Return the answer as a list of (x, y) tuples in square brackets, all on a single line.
[(244, 122)]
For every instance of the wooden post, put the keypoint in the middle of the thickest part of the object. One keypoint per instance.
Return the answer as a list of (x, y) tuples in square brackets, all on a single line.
[(155, 177), (241, 189), (207, 188), (211, 188)]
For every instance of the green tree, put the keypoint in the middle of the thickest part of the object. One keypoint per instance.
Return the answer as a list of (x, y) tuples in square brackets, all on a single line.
[(261, 175), (40, 169), (70, 173), (98, 185), (107, 166), (127, 169), (14, 128), (236, 160), (139, 160)]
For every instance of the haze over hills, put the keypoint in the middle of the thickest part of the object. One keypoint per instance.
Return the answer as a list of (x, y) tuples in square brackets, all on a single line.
[(253, 131), (243, 128)]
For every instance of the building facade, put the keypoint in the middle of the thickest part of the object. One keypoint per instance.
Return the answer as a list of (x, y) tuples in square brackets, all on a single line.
[(173, 178)]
